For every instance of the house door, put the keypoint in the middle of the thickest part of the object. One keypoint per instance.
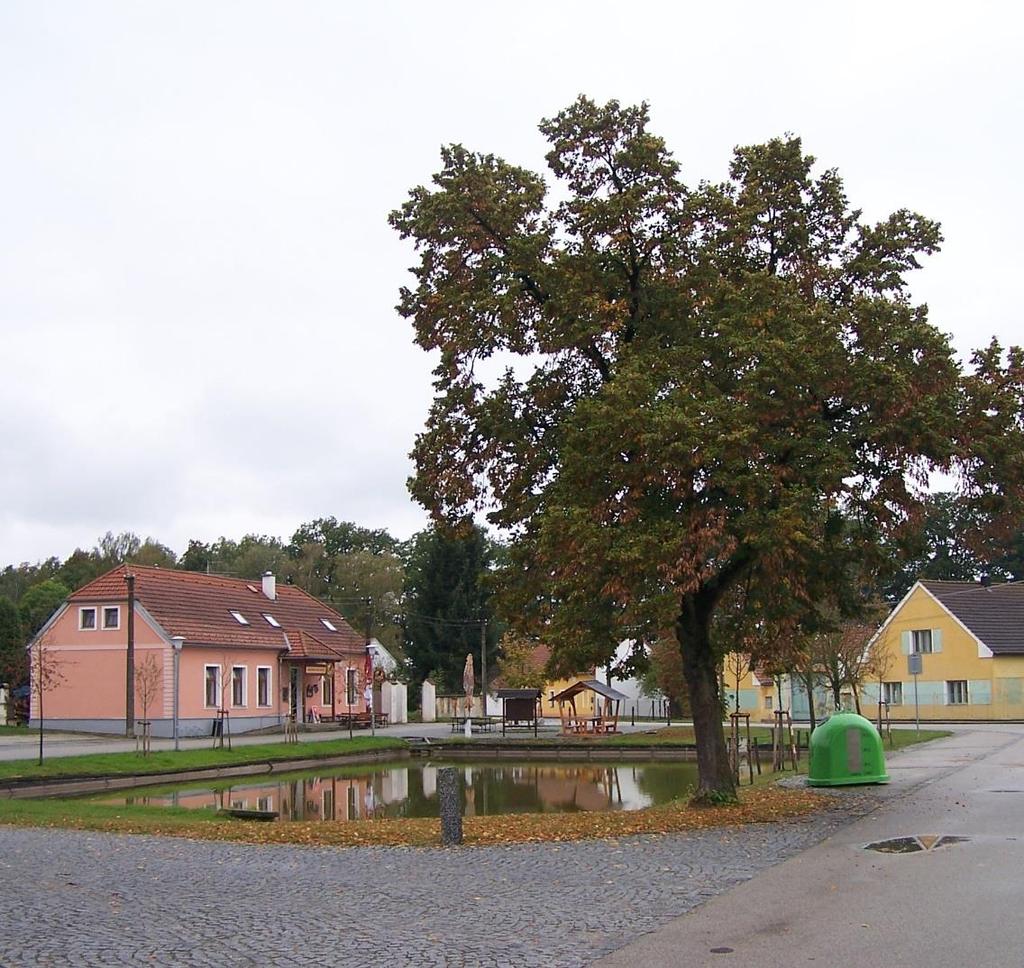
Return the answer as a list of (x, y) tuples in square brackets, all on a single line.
[(293, 694)]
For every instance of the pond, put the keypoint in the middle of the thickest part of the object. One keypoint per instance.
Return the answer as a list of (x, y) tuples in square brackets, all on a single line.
[(409, 789)]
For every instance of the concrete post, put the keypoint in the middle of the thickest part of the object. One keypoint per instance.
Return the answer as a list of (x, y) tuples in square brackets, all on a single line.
[(449, 794)]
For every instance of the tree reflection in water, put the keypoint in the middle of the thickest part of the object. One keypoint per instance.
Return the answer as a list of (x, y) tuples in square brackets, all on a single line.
[(404, 790)]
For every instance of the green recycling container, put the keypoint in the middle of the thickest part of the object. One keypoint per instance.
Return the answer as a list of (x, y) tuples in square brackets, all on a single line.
[(846, 749)]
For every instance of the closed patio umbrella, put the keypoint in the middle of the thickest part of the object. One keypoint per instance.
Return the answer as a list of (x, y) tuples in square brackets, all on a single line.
[(467, 683)]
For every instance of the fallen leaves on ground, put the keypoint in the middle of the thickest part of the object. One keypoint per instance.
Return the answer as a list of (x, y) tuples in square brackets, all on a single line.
[(764, 805)]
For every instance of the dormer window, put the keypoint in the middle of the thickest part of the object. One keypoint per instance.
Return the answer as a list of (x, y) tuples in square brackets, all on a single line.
[(271, 620), (328, 624), (239, 618)]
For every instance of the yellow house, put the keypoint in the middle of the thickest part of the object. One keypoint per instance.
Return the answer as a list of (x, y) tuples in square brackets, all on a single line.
[(970, 641)]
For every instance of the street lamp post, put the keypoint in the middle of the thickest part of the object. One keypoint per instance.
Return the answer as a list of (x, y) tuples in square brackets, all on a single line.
[(177, 641)]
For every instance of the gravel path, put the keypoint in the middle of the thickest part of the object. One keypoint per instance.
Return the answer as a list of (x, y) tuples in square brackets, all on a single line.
[(72, 898)]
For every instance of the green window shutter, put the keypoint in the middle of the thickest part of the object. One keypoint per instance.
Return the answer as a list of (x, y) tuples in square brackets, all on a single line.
[(905, 643), (979, 692), (936, 640)]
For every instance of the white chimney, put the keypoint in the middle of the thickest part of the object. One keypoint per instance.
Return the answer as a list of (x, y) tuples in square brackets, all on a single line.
[(270, 585)]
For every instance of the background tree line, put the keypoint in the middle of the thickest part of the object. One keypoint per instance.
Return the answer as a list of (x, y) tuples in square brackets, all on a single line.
[(425, 598)]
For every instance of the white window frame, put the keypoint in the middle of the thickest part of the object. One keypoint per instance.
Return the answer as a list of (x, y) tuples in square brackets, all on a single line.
[(238, 616), (269, 670), (950, 684), (328, 624), (271, 621), (351, 687), (116, 609), (245, 686), (95, 618), (888, 689), (914, 641), (768, 703), (216, 685), (326, 685)]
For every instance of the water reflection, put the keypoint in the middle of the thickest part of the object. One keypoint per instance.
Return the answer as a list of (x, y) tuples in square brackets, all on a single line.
[(397, 790)]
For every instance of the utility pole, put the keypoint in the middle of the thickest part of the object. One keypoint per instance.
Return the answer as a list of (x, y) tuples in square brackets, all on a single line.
[(483, 666), (129, 692), (369, 663)]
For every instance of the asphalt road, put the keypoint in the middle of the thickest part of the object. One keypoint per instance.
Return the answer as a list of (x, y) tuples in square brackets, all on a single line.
[(840, 904)]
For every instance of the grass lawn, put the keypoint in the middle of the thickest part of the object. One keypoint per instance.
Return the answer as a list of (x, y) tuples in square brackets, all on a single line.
[(167, 761), (17, 731)]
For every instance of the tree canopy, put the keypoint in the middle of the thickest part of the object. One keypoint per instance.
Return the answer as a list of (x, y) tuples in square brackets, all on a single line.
[(447, 598), (708, 386)]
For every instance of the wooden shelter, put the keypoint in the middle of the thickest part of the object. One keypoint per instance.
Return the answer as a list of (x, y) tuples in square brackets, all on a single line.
[(520, 709), (603, 716)]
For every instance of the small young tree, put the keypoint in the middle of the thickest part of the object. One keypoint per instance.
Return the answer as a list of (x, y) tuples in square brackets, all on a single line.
[(148, 685), (737, 667), (48, 671)]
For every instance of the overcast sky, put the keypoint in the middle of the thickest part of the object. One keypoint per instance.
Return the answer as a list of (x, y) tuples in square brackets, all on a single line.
[(197, 278)]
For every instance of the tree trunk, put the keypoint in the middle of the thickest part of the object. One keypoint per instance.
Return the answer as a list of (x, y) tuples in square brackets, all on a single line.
[(715, 782), (809, 686)]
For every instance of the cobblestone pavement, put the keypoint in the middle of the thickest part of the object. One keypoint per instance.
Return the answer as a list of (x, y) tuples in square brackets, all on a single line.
[(73, 898)]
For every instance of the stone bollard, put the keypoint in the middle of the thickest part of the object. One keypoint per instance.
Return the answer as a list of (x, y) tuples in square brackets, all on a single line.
[(449, 795)]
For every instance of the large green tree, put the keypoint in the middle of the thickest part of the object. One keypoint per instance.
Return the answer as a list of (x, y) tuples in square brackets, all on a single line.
[(13, 659), (708, 382), (447, 598), (39, 603)]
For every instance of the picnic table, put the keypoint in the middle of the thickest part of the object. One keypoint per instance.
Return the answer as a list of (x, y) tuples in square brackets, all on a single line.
[(478, 724)]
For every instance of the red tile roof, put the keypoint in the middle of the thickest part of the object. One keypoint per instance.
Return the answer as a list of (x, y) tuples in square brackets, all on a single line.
[(199, 607)]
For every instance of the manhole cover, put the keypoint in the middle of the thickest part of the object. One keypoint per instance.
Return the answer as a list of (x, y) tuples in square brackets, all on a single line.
[(911, 845)]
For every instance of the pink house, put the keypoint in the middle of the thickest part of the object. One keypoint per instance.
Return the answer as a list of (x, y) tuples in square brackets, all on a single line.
[(259, 650)]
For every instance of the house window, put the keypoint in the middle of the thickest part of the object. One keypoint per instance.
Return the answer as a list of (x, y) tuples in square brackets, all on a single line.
[(212, 686), (238, 685), (111, 617), (328, 624), (263, 685), (327, 690), (768, 704), (892, 693), (350, 687), (921, 641), (239, 618), (87, 618), (956, 692), (264, 803), (271, 620), (327, 804)]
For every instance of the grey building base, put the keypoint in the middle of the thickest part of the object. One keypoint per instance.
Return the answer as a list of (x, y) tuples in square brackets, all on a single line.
[(162, 728)]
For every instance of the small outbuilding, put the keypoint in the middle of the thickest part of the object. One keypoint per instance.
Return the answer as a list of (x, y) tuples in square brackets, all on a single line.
[(601, 717), (520, 709)]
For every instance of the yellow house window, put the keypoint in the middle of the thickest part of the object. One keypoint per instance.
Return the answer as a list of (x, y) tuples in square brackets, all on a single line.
[(921, 641), (956, 692), (892, 693)]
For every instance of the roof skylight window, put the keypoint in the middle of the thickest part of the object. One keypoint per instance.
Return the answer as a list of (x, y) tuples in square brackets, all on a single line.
[(239, 618), (328, 624), (271, 620)]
